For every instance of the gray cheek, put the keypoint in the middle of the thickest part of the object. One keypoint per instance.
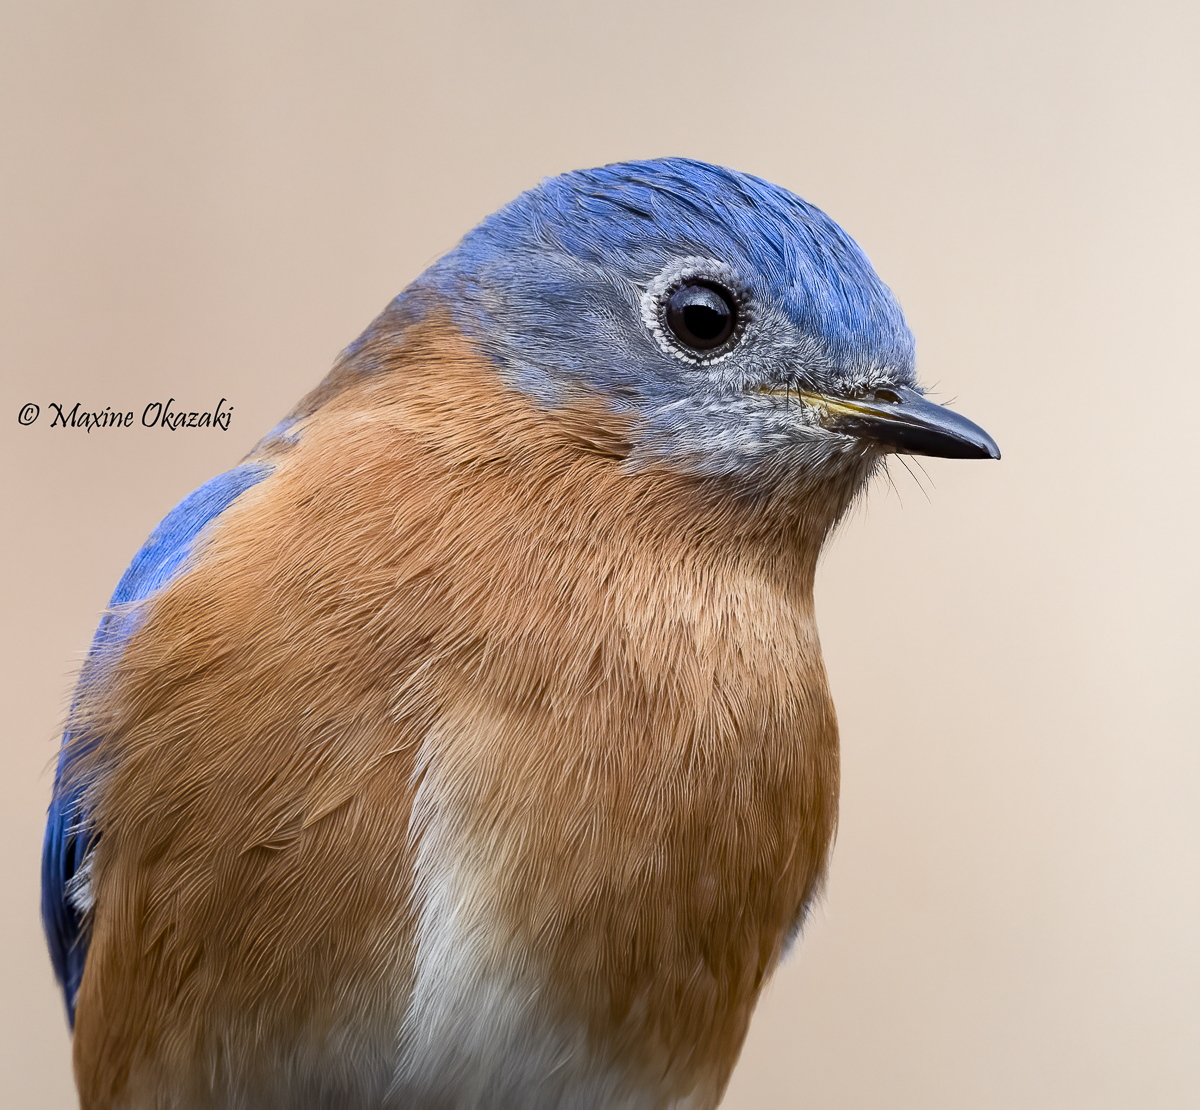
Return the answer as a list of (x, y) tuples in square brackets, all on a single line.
[(740, 435)]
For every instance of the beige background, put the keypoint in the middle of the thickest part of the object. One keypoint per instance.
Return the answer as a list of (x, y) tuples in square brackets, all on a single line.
[(206, 200)]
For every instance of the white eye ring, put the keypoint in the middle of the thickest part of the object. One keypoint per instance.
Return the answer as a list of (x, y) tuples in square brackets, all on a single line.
[(707, 270)]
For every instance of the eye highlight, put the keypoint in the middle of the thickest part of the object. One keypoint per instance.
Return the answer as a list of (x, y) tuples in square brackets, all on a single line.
[(701, 315)]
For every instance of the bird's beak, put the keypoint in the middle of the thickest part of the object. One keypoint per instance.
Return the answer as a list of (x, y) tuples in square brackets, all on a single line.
[(901, 420)]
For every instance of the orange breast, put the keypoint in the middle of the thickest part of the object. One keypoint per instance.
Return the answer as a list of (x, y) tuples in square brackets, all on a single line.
[(457, 706)]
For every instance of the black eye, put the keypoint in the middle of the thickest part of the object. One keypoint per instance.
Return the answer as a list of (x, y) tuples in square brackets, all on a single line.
[(701, 315)]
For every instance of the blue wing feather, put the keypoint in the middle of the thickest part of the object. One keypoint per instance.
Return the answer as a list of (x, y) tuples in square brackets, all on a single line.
[(69, 834)]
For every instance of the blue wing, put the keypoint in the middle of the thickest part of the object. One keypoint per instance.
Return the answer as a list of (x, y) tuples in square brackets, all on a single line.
[(69, 834)]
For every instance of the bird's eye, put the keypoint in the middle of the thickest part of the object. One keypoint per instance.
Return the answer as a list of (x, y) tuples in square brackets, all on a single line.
[(698, 310), (701, 315)]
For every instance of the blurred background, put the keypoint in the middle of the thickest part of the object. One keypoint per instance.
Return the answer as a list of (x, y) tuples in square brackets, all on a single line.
[(208, 200)]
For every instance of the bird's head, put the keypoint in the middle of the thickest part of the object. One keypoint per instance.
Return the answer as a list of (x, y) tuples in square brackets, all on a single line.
[(735, 329)]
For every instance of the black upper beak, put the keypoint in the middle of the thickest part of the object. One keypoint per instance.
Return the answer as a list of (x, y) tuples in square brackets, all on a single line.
[(900, 419)]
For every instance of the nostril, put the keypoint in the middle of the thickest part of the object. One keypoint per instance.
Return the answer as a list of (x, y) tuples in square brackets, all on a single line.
[(889, 395)]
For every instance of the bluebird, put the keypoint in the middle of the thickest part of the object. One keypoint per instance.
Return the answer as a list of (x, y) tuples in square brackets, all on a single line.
[(468, 745)]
